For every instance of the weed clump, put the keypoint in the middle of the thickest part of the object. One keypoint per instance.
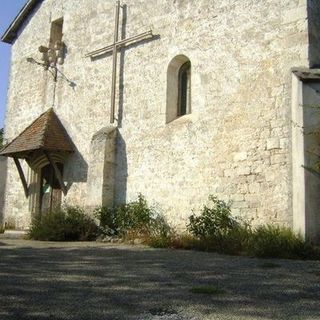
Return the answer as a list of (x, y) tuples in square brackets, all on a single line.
[(209, 290), (271, 241)]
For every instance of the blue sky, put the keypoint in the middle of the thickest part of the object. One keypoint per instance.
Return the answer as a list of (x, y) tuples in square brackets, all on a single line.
[(9, 9)]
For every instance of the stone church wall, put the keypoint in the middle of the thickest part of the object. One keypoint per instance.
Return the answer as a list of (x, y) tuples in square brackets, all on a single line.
[(3, 174), (234, 144)]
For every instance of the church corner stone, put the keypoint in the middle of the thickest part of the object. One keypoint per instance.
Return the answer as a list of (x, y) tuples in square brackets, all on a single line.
[(237, 141)]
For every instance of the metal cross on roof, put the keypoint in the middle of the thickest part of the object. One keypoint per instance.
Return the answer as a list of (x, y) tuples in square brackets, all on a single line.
[(114, 48)]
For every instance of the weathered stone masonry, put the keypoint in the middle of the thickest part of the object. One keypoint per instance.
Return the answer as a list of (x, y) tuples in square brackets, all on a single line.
[(235, 143)]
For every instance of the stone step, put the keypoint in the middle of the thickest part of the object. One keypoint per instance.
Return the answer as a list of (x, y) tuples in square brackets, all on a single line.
[(13, 234)]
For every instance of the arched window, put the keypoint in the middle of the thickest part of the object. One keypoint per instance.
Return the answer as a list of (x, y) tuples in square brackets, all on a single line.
[(178, 88), (184, 89)]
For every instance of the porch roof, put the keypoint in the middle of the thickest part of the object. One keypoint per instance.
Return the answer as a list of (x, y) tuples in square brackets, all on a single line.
[(46, 133)]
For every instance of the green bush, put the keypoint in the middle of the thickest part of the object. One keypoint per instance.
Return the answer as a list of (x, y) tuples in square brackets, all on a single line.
[(214, 229), (214, 221), (107, 220), (135, 219), (235, 241), (79, 226), (68, 224), (159, 227), (217, 229), (280, 242)]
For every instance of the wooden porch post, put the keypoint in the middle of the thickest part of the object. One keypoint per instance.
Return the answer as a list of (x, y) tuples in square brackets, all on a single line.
[(22, 177)]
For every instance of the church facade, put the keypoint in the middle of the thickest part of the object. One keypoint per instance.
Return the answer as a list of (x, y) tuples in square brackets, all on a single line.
[(191, 98)]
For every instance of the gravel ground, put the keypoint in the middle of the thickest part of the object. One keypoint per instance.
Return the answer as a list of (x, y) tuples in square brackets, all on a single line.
[(49, 280)]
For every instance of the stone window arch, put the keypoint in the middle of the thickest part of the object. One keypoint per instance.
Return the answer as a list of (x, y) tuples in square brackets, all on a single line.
[(178, 88)]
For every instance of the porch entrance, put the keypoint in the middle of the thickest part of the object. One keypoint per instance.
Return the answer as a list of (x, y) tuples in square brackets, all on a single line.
[(50, 189)]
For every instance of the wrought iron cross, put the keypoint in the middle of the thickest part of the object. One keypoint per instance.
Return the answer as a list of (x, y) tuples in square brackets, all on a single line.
[(114, 47)]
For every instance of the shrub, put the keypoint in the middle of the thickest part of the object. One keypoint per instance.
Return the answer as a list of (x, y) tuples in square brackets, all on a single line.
[(107, 221), (214, 221), (132, 220), (159, 227), (134, 217), (49, 227), (79, 226), (68, 224), (236, 240), (217, 229), (214, 229), (279, 242)]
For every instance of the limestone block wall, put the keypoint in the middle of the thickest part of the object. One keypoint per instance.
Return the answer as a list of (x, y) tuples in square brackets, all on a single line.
[(236, 141), (3, 175)]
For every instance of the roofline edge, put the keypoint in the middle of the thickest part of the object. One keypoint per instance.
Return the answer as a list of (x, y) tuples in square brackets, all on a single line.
[(11, 33)]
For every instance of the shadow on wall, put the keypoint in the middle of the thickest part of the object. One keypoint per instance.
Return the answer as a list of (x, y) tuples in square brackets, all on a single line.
[(311, 123), (75, 168), (121, 171), (3, 178)]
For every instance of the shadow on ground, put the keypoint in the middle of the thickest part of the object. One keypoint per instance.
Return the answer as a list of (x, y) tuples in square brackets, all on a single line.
[(110, 282)]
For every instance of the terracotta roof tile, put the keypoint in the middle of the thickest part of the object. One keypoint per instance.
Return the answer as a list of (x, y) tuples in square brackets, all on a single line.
[(45, 133)]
